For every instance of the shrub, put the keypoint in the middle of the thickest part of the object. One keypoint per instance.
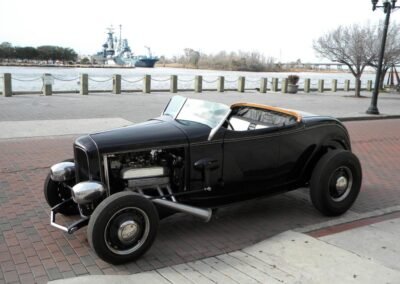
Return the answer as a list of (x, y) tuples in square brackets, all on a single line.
[(293, 79)]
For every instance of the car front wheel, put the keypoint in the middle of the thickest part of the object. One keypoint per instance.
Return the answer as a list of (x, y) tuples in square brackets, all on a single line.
[(335, 182), (122, 227)]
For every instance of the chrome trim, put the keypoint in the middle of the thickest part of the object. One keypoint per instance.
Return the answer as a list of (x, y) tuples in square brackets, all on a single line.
[(170, 193), (62, 171), (216, 128), (54, 224), (76, 225), (127, 231), (343, 184), (145, 172), (148, 149), (177, 113), (106, 175), (203, 214), (87, 192), (98, 156), (87, 160)]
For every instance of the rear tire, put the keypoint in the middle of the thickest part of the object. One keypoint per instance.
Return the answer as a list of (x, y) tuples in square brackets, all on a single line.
[(123, 227), (335, 182)]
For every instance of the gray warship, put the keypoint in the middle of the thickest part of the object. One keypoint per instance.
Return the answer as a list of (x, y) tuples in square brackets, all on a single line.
[(116, 51)]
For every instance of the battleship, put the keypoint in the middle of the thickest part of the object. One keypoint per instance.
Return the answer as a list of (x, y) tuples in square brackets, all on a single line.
[(116, 51)]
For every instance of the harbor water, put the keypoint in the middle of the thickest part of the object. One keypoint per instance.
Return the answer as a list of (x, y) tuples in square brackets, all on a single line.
[(28, 79)]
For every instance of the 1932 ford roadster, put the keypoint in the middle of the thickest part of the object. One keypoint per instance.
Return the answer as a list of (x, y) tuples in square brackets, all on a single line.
[(195, 157)]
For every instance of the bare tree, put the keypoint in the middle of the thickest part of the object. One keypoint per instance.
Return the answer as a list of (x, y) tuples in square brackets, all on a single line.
[(192, 57), (392, 50), (352, 46)]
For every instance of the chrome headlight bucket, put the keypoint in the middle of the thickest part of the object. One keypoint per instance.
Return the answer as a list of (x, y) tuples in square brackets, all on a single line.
[(87, 192), (62, 171)]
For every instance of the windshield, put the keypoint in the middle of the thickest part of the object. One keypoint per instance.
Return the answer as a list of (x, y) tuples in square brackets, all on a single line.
[(208, 113)]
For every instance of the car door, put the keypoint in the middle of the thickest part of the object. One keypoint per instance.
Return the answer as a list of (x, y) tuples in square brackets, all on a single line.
[(250, 157)]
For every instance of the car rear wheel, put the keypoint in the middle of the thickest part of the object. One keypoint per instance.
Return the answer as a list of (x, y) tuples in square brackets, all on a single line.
[(335, 182), (122, 227), (56, 192)]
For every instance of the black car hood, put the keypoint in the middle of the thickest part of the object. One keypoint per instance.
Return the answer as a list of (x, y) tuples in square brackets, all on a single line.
[(149, 134)]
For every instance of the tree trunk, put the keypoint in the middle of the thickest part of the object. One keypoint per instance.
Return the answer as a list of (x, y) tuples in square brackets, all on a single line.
[(382, 79), (358, 86)]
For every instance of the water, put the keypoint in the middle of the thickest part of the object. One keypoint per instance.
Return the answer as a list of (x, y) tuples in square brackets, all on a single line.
[(67, 79)]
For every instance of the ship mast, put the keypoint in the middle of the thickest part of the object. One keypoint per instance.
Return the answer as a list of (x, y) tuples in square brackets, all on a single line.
[(149, 51), (110, 41), (120, 39)]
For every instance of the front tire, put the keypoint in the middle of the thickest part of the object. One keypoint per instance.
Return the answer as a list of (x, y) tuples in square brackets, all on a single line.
[(122, 227), (335, 182)]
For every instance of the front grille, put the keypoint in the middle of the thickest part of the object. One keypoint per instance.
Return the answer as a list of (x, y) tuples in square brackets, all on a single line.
[(82, 165)]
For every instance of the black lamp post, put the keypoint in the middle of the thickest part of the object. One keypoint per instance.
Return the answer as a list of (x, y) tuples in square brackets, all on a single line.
[(387, 8)]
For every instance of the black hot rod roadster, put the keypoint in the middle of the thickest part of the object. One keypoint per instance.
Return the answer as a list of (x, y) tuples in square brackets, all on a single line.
[(196, 156)]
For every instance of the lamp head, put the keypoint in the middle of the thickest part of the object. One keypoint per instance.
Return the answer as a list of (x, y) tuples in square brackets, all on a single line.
[(374, 3), (386, 5)]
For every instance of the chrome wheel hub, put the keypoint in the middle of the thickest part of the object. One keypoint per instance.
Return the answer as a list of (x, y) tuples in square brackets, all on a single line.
[(341, 183), (127, 231)]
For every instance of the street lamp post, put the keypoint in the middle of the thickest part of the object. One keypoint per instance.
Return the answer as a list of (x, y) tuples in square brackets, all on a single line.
[(387, 6)]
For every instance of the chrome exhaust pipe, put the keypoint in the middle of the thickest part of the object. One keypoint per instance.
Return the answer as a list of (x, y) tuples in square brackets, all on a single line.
[(203, 214)]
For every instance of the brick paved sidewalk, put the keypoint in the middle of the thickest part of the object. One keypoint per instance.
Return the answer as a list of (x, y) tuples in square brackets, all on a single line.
[(31, 250)]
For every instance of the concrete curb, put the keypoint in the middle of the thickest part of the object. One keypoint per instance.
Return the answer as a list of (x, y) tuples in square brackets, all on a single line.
[(289, 257), (347, 218), (363, 118)]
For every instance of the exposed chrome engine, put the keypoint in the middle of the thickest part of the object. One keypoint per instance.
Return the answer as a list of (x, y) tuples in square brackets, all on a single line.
[(153, 173)]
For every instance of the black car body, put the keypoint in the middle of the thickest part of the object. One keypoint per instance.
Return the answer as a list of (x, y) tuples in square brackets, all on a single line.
[(198, 156)]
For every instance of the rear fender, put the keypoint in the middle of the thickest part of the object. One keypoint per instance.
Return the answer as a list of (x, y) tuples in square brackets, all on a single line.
[(328, 145)]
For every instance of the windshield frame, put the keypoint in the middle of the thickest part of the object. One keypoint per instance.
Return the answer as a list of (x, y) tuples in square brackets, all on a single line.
[(181, 102)]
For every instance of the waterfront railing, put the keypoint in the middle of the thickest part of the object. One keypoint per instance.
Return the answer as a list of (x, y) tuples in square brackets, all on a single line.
[(145, 84)]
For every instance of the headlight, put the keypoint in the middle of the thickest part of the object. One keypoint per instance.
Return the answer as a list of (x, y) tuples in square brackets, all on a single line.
[(62, 171), (87, 191)]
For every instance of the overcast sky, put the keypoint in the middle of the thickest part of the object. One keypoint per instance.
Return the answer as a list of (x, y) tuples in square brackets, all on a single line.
[(283, 29)]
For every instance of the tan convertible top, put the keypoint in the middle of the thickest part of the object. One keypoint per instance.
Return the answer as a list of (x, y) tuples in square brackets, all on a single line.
[(266, 107)]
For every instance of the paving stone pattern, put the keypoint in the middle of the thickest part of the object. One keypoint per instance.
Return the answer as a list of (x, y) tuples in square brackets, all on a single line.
[(33, 251)]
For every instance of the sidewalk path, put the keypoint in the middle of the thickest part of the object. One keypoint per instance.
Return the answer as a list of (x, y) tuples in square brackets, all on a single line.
[(369, 254), (139, 107), (40, 128)]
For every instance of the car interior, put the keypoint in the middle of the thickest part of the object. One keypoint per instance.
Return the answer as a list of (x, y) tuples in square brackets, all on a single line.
[(247, 116)]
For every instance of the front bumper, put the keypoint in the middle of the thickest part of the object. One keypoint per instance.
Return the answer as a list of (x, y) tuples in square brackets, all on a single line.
[(83, 221)]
